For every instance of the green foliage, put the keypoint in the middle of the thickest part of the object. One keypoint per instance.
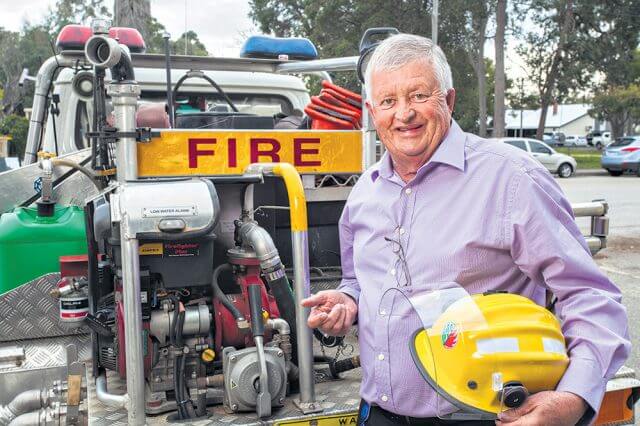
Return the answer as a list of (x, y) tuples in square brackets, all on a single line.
[(618, 105), (189, 44), (74, 12), (17, 127), (336, 26)]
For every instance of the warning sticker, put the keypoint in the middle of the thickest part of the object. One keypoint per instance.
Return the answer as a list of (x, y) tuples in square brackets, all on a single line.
[(150, 249), (181, 249)]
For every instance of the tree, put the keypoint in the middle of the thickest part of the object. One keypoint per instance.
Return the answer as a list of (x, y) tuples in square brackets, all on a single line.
[(500, 82), (74, 12), (133, 14), (17, 127), (620, 106), (548, 50), (477, 16), (189, 44)]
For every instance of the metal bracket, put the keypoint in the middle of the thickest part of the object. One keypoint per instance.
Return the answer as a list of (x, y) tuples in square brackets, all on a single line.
[(141, 134), (75, 371), (308, 407)]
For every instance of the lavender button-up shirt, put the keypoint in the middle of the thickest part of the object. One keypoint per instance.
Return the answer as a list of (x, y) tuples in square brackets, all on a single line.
[(489, 217)]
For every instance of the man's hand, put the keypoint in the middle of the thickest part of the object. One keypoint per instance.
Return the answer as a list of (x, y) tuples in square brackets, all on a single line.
[(332, 312), (546, 408)]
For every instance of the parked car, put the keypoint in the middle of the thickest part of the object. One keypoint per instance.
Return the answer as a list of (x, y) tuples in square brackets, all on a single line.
[(563, 165), (554, 138), (599, 139), (619, 154), (632, 163), (575, 140)]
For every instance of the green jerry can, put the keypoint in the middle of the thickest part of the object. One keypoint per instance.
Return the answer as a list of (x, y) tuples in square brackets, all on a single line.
[(30, 244)]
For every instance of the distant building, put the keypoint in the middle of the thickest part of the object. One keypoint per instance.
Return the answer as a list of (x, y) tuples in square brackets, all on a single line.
[(570, 119)]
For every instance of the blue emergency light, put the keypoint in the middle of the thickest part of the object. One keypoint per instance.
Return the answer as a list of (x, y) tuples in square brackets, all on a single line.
[(272, 47)]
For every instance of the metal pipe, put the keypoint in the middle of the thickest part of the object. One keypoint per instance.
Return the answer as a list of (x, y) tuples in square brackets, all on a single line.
[(167, 55), (262, 244), (279, 325), (125, 99), (298, 218), (594, 208), (42, 86), (112, 400), (595, 243), (369, 136), (133, 326), (349, 63), (24, 402), (33, 418), (300, 247)]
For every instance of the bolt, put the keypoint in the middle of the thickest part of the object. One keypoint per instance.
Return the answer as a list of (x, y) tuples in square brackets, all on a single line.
[(312, 406), (234, 407), (281, 400), (157, 379), (280, 353), (472, 384), (193, 375), (232, 358)]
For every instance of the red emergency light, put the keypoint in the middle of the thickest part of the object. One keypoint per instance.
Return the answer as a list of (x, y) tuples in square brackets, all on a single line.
[(74, 37), (129, 37)]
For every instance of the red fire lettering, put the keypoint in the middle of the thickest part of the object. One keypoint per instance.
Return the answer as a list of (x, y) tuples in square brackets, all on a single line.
[(233, 152), (194, 152), (256, 152), (298, 152)]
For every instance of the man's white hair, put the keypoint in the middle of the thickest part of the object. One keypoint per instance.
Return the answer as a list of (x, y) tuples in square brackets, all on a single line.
[(401, 49)]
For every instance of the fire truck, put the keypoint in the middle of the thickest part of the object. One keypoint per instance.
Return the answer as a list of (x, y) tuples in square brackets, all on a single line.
[(172, 214)]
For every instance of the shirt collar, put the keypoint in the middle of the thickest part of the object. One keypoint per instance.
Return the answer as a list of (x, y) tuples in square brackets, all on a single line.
[(450, 152)]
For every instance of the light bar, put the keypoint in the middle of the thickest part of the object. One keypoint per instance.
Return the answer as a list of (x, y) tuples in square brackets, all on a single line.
[(74, 37), (275, 47)]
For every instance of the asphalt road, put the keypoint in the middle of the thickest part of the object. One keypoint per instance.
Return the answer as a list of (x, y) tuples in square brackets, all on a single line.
[(621, 259)]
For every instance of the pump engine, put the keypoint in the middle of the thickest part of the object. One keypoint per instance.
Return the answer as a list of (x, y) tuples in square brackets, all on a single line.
[(200, 319)]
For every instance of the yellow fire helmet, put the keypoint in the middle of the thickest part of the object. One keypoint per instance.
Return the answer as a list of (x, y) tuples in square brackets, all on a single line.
[(486, 353)]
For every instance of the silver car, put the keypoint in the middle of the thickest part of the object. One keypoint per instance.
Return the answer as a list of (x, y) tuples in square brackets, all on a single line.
[(563, 165), (616, 155)]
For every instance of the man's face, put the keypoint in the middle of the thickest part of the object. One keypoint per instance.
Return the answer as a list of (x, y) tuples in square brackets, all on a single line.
[(410, 111)]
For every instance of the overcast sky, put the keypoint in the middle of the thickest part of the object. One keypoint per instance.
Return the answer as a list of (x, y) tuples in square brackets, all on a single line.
[(222, 25)]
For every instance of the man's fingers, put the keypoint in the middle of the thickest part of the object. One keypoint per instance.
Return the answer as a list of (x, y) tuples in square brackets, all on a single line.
[(315, 300), (515, 414), (316, 318), (338, 326)]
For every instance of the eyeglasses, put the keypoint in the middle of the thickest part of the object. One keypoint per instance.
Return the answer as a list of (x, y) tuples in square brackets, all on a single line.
[(390, 102), (403, 277)]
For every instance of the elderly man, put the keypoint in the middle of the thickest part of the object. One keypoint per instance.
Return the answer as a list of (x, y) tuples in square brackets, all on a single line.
[(466, 210)]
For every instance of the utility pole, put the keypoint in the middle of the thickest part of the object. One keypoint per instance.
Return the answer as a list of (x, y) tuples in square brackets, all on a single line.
[(521, 84), (434, 23)]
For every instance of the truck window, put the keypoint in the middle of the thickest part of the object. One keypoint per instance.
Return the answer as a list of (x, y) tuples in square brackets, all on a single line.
[(263, 105)]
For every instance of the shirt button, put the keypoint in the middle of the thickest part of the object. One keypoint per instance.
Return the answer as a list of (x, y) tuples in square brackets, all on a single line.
[(385, 398), (407, 191), (380, 357), (401, 231), (383, 312), (392, 272)]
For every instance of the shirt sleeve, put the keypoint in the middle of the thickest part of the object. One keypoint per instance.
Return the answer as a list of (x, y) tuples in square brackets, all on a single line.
[(548, 246), (349, 285)]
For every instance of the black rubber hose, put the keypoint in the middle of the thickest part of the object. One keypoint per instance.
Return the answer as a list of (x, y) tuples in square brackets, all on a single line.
[(177, 386), (287, 306), (255, 306), (191, 413), (218, 294)]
